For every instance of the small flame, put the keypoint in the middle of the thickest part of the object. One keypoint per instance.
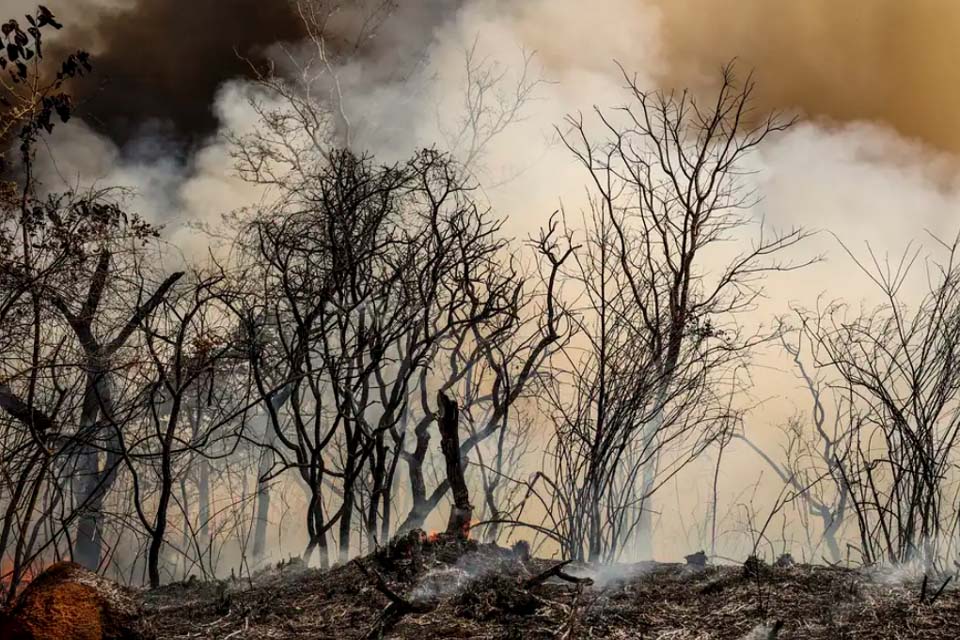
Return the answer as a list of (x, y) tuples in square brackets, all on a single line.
[(435, 536), (27, 574), (468, 529)]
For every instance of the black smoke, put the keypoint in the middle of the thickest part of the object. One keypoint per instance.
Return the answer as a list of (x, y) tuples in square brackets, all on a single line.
[(158, 65)]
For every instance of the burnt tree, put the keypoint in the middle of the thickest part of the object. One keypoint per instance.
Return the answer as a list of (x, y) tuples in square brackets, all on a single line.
[(448, 424)]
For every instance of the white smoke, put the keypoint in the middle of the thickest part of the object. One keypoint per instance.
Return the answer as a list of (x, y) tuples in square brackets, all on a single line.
[(164, 187), (860, 180)]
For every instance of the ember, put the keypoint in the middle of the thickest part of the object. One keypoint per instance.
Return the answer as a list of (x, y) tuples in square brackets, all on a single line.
[(9, 574)]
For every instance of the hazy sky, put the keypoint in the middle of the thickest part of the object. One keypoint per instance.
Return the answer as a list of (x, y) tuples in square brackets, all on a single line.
[(884, 60), (874, 159), (876, 82)]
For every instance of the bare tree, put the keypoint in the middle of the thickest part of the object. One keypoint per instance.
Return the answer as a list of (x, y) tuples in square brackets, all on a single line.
[(812, 455), (368, 308), (512, 353), (376, 269), (665, 192), (184, 342), (898, 377), (303, 120), (59, 248)]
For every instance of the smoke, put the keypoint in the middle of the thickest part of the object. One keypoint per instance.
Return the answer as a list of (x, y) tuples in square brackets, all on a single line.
[(873, 161), (761, 632), (166, 187), (886, 61), (160, 63), (172, 76), (162, 67)]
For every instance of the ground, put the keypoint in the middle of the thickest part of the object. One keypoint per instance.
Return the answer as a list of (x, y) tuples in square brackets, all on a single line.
[(450, 589)]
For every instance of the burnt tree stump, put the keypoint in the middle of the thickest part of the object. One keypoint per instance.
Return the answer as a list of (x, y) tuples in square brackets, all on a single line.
[(448, 424)]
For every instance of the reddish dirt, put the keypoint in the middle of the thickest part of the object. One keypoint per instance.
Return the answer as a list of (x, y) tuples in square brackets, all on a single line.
[(67, 602)]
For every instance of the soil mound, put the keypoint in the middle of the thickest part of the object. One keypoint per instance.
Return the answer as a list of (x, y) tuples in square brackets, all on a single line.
[(68, 602)]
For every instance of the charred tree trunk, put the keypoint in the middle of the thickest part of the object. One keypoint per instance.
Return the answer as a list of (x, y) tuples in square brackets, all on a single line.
[(264, 468), (350, 468), (203, 495), (87, 546), (263, 506), (204, 542), (187, 539), (386, 522), (317, 530), (420, 508), (159, 529), (462, 512), (93, 481), (378, 478)]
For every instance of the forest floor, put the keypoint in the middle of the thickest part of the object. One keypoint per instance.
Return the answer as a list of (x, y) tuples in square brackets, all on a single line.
[(446, 588)]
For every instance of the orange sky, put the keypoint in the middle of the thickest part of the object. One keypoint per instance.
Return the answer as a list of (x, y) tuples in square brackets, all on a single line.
[(889, 60)]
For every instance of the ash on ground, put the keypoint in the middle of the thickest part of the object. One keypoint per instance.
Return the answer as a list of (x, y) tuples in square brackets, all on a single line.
[(420, 588)]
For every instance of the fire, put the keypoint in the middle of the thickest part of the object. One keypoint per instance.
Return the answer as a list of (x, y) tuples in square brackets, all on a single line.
[(434, 536), (468, 528), (26, 576)]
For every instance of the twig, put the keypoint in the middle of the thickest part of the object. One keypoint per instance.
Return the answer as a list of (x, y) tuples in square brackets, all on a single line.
[(558, 572), (398, 607), (574, 579), (544, 575), (940, 590), (402, 604)]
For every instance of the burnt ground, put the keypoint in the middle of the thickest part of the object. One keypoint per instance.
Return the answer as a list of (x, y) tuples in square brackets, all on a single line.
[(455, 589)]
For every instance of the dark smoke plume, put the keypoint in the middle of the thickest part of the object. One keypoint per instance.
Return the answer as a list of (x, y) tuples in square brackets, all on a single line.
[(159, 63)]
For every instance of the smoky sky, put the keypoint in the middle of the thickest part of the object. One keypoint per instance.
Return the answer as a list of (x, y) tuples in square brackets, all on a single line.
[(159, 63), (892, 62)]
